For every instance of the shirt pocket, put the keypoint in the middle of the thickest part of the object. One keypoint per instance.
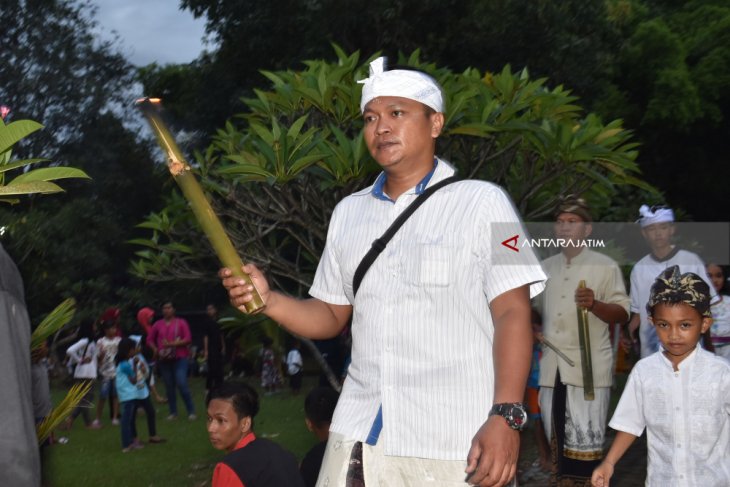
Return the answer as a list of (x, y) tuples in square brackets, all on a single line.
[(431, 264)]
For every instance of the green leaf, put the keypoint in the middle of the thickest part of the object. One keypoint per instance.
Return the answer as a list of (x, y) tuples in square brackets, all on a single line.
[(43, 187), (50, 174), (10, 134), (19, 163)]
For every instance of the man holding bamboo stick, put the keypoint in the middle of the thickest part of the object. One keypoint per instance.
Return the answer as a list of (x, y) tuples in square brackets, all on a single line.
[(584, 296), (441, 329)]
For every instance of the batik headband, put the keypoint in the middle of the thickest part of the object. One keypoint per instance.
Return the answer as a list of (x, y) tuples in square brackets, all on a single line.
[(650, 216), (413, 85), (673, 287), (573, 204)]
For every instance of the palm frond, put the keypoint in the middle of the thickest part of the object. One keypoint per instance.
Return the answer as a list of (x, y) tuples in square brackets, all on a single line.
[(63, 410), (56, 319)]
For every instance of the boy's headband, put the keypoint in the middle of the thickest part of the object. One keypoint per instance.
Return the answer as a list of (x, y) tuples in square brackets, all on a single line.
[(672, 287), (650, 216), (413, 85)]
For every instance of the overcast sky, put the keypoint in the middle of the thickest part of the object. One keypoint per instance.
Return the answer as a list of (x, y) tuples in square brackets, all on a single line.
[(152, 30)]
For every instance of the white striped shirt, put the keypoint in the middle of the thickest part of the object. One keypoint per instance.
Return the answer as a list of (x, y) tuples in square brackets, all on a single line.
[(422, 330)]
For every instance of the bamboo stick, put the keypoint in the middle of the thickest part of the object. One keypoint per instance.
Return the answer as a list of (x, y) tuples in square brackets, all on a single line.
[(586, 361), (206, 217)]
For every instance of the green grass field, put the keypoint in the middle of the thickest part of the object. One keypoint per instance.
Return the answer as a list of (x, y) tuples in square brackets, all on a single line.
[(186, 459), (94, 457)]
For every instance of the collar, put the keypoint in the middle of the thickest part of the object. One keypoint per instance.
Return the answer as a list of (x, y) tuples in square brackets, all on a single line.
[(686, 363), (379, 184), (669, 256), (577, 259), (245, 440)]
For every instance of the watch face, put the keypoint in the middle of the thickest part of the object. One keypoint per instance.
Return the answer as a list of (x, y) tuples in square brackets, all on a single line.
[(519, 417)]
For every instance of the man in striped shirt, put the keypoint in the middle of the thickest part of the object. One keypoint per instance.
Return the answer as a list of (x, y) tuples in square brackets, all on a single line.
[(441, 334)]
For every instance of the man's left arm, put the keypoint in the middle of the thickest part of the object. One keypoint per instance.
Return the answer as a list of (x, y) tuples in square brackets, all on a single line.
[(492, 459)]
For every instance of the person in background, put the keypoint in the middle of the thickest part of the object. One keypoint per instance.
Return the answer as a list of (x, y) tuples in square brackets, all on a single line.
[(270, 378), (126, 383), (84, 356), (107, 347), (170, 339), (145, 318), (42, 403), (319, 406), (250, 461), (112, 315), (574, 423), (680, 394), (720, 330), (657, 228), (214, 348), (143, 395), (531, 396), (295, 367)]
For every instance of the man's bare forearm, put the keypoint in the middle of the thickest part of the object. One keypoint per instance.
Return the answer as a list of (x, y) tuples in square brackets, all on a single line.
[(512, 344), (609, 313), (310, 318)]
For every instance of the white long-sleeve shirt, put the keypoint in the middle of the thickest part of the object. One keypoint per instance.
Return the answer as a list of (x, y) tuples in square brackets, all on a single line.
[(78, 351)]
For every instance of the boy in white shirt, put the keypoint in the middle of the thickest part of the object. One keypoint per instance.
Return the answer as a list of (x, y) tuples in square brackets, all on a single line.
[(107, 350), (681, 394)]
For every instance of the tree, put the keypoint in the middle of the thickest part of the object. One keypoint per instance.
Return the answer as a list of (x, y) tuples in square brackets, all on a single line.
[(668, 82), (276, 178), (83, 233), (571, 41), (55, 70)]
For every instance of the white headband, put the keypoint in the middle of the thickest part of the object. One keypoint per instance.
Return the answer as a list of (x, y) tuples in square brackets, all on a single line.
[(660, 215), (413, 85)]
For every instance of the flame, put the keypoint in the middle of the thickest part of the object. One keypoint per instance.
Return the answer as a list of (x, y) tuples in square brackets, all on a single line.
[(155, 101)]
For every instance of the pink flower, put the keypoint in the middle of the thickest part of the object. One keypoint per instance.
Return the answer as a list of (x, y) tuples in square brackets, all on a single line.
[(4, 111)]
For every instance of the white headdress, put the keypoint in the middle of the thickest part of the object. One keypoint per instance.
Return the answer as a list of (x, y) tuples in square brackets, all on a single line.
[(657, 215), (413, 85)]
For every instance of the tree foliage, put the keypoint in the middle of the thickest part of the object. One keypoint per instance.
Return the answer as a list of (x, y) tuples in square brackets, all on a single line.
[(276, 171), (669, 83), (53, 68)]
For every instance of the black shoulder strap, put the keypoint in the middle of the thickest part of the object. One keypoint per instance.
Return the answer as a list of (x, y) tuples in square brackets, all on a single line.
[(379, 244)]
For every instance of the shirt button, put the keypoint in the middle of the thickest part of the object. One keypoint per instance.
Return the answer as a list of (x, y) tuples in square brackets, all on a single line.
[(560, 314), (679, 445), (562, 297)]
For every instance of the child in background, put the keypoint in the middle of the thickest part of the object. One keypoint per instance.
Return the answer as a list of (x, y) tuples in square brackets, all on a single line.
[(83, 357), (143, 396), (531, 395), (319, 405), (295, 368), (720, 330), (270, 378), (107, 347), (126, 383), (680, 394)]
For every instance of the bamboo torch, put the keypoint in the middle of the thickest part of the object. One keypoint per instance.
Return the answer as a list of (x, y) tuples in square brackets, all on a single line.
[(208, 220), (585, 351)]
